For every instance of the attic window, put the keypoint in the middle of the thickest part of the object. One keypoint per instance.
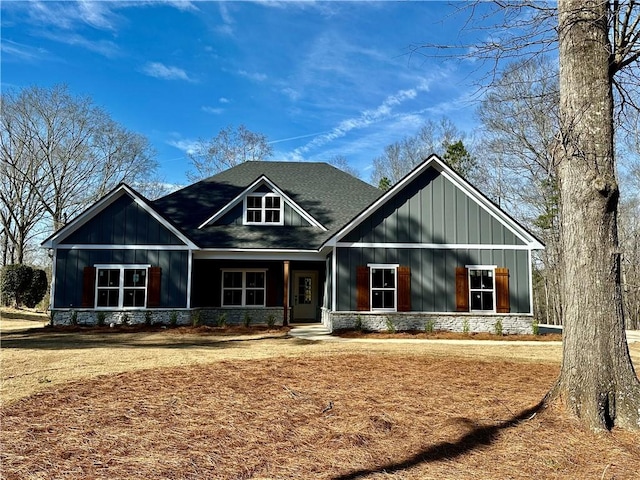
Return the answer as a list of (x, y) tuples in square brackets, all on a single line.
[(263, 209)]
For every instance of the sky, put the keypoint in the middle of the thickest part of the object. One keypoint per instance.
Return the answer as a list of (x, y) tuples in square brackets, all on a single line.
[(318, 79)]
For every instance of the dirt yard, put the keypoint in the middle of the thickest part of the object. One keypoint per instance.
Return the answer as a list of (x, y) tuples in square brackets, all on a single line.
[(182, 404)]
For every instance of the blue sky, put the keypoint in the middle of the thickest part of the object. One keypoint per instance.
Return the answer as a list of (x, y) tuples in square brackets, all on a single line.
[(319, 79)]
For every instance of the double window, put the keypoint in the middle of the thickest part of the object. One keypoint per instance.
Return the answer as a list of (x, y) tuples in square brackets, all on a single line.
[(263, 209), (121, 286), (242, 288)]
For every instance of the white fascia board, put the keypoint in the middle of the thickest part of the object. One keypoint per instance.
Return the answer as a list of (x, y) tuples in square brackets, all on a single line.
[(240, 197), (458, 181), (102, 204), (258, 254)]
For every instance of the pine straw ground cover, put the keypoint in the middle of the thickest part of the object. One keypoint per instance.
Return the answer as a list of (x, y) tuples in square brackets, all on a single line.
[(335, 416)]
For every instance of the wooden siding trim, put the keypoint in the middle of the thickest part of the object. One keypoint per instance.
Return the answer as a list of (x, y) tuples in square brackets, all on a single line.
[(153, 289), (88, 287), (433, 246), (362, 289), (502, 290), (462, 289), (404, 289)]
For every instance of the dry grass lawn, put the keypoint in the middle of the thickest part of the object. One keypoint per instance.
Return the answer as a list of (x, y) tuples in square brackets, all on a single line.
[(184, 405)]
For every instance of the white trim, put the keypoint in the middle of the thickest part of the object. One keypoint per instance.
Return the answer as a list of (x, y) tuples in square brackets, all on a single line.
[(92, 246), (334, 279), (436, 246), (493, 290), (530, 264), (189, 277), (102, 204), (383, 266), (121, 286), (433, 161), (263, 208), (244, 287), (262, 180), (264, 254), (52, 287)]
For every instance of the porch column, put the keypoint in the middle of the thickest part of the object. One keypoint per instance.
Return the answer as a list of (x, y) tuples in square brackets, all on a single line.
[(285, 302)]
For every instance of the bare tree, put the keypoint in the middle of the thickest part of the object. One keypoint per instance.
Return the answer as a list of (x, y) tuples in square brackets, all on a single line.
[(65, 152), (341, 163), (230, 147), (399, 158), (599, 46)]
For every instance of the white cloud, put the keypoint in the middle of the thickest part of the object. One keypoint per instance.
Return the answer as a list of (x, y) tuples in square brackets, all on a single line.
[(159, 70), (187, 146), (25, 52), (224, 100), (213, 110), (106, 48), (256, 77)]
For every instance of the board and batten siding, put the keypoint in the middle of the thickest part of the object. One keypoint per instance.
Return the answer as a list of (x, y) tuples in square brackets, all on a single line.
[(123, 222), (70, 264), (433, 274), (431, 209)]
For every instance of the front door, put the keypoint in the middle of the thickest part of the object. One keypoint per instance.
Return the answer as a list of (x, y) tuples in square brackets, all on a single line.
[(305, 296)]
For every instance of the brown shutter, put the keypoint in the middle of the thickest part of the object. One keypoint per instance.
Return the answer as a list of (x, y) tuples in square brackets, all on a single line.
[(502, 290), (153, 288), (462, 290), (404, 289), (89, 287), (362, 287)]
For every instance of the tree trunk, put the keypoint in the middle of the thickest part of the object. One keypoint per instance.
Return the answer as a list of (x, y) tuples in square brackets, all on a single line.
[(597, 380)]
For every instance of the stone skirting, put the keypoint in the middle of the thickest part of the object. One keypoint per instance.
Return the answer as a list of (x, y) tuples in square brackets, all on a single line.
[(451, 322), (203, 316)]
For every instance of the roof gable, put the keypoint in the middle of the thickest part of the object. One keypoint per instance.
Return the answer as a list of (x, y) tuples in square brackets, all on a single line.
[(262, 185), (144, 226), (459, 213)]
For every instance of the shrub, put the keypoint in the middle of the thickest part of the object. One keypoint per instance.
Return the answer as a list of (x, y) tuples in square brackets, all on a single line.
[(222, 320), (100, 318), (465, 326), (173, 319), (247, 320), (391, 328), (125, 319), (148, 320), (271, 320), (429, 327), (196, 318), (497, 328), (535, 327), (358, 325), (22, 285), (74, 317)]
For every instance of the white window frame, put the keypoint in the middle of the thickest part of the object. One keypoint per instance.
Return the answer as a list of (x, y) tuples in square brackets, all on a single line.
[(121, 287), (383, 266), (492, 268), (263, 208), (244, 287)]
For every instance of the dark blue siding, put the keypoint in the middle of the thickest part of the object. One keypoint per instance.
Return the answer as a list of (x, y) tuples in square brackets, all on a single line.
[(124, 222), (70, 267)]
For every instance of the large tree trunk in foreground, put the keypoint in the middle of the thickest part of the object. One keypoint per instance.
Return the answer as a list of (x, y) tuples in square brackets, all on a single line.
[(597, 381)]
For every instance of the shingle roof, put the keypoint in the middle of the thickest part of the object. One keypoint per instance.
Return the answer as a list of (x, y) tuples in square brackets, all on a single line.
[(328, 194)]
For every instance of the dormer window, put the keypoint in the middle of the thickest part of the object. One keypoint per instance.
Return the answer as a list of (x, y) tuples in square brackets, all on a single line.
[(263, 209)]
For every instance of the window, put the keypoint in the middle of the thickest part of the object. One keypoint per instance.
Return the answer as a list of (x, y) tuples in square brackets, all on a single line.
[(383, 287), (121, 286), (243, 288), (263, 209), (481, 288)]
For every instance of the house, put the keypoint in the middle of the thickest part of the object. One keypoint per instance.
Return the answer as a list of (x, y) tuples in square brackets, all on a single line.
[(296, 242)]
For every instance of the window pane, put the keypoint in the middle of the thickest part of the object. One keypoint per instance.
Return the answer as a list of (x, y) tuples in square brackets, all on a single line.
[(232, 280), (133, 298), (475, 279), (255, 279), (108, 277), (108, 298), (487, 300), (376, 299), (254, 202), (232, 297), (476, 301), (377, 278), (388, 298), (255, 297), (135, 278), (389, 278), (487, 279), (272, 216)]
